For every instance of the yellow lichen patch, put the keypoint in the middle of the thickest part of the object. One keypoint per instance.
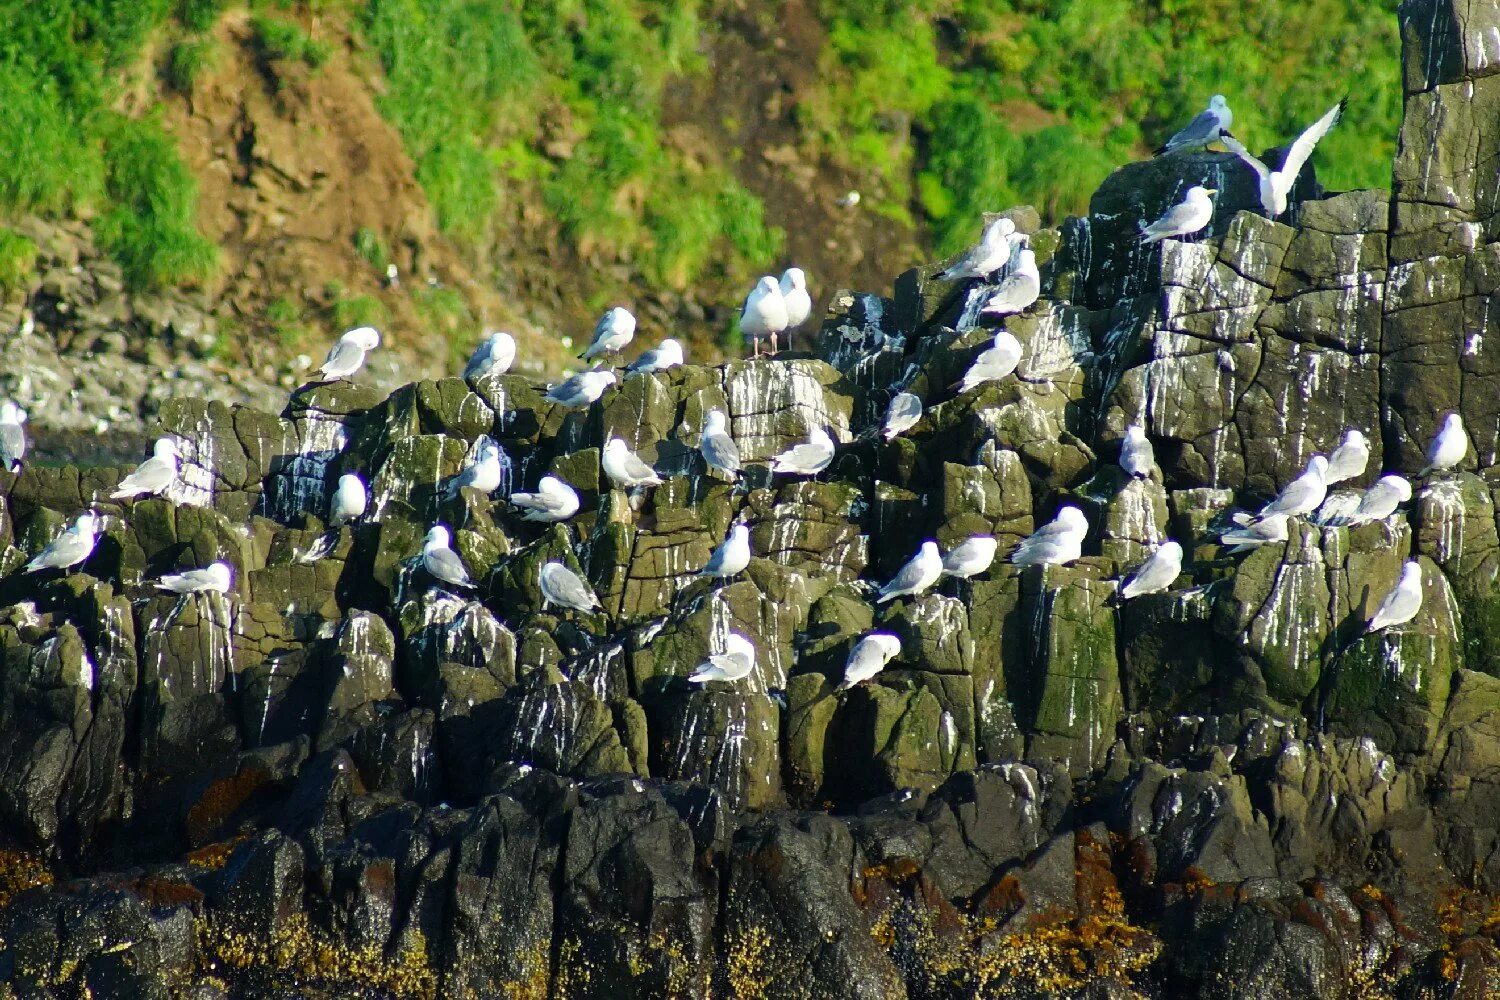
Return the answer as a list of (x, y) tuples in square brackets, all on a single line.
[(747, 962), (20, 871), (214, 856), (574, 971), (219, 801), (303, 956)]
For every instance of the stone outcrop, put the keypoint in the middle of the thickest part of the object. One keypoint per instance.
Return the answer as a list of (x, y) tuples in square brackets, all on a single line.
[(344, 777)]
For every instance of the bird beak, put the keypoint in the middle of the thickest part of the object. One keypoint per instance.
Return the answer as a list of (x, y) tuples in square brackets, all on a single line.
[(1211, 190)]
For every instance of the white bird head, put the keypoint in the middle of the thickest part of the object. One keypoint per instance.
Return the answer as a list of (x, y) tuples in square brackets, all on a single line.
[(1453, 424), (1170, 549), (1200, 193), (793, 278), (740, 534), (1354, 436), (888, 644), (767, 286), (350, 484), (1399, 484), (366, 338), (86, 523), (10, 413), (669, 352), (1217, 103), (713, 422), (1317, 466), (737, 645), (929, 551), (165, 448), (616, 446), (222, 575), (1135, 433), (1072, 518), (437, 537), (551, 484), (999, 230), (622, 320), (1026, 260), (1411, 574)]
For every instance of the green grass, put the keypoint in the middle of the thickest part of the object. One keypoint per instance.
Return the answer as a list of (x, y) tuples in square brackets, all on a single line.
[(369, 245), (358, 310), (186, 61), (17, 259), (277, 39)]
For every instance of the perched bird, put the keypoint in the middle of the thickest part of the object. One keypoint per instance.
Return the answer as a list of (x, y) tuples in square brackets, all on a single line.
[(919, 573), (564, 587), (440, 561), (1156, 574), (494, 356), (349, 500), (989, 256), (994, 362), (807, 459), (1276, 185), (1211, 123), (765, 314), (483, 473), (1056, 543), (1302, 495), (1137, 457), (1019, 288), (12, 435), (71, 547), (1448, 448), (869, 657), (970, 557), (347, 356), (1349, 459), (718, 447), (1187, 217), (1382, 498), (217, 577), (902, 415), (582, 390), (732, 555), (612, 334), (793, 287), (1251, 534), (554, 500), (667, 354), (153, 476), (734, 664), (1402, 603), (625, 468)]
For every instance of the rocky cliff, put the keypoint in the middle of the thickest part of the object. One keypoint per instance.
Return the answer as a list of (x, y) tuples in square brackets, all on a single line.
[(340, 778)]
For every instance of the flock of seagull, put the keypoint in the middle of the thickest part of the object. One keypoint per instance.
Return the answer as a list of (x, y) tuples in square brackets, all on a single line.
[(777, 306)]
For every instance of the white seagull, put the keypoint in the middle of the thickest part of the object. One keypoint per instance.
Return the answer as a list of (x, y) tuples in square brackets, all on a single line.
[(902, 415), (1137, 457), (1156, 574), (562, 586), (1349, 459), (554, 500), (349, 500), (1056, 543), (793, 285), (667, 354), (612, 334), (1203, 130), (71, 547), (1302, 495), (919, 573), (494, 356), (970, 557), (989, 256), (1249, 534), (625, 468), (994, 362), (765, 314), (732, 555), (12, 435), (347, 356), (718, 447), (807, 459), (440, 561), (1020, 287), (1185, 218), (1382, 498), (1276, 185), (483, 473), (734, 664), (869, 657), (1448, 448), (581, 390), (1402, 603), (216, 577), (153, 476)]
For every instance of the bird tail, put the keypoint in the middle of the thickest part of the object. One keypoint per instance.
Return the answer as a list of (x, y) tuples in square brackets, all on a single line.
[(1162, 149)]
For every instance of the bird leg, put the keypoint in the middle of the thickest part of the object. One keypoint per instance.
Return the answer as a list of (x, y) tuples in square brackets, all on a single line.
[(773, 344)]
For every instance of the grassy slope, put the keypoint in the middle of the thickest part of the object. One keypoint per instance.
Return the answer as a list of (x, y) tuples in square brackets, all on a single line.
[(951, 108)]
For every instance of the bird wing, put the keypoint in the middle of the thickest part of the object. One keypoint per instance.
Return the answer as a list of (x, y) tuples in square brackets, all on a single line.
[(12, 443), (151, 476), (721, 451), (66, 550), (1176, 219), (904, 407), (1296, 496), (1339, 509), (806, 457), (344, 358), (1200, 131), (1238, 149), (1303, 147), (645, 362), (1378, 497), (567, 588), (446, 566), (637, 469), (906, 578)]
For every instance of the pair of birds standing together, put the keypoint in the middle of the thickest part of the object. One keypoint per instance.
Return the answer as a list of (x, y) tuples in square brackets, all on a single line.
[(1196, 210)]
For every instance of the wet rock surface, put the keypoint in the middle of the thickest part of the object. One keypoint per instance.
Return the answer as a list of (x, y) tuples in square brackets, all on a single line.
[(342, 778)]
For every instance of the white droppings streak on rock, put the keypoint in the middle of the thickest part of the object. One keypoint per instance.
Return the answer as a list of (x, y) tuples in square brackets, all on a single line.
[(303, 484)]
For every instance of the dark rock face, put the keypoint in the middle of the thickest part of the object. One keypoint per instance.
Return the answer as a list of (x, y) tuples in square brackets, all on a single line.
[(340, 778)]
